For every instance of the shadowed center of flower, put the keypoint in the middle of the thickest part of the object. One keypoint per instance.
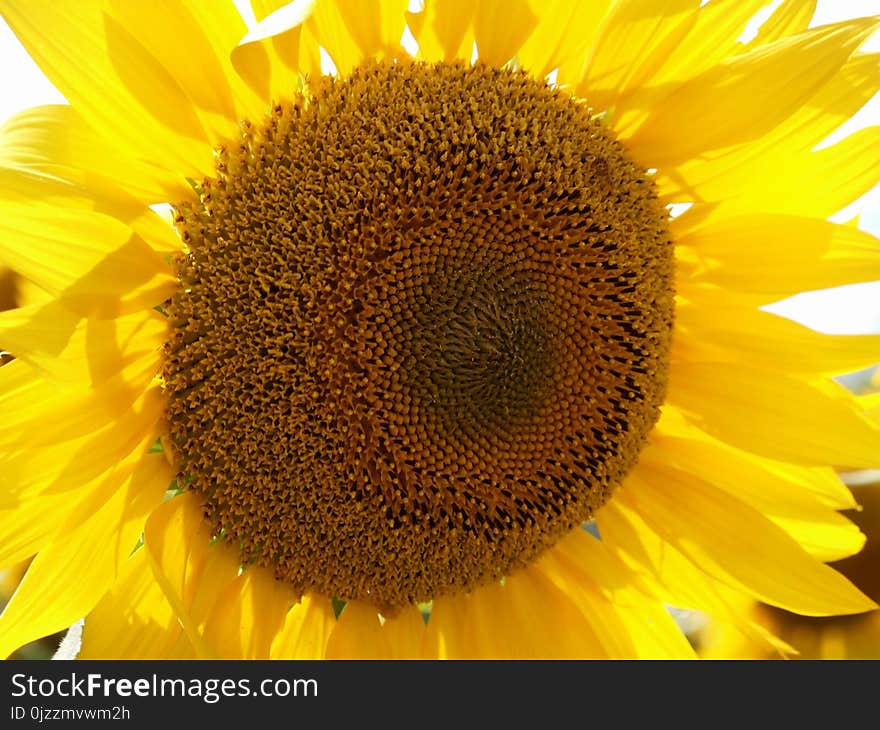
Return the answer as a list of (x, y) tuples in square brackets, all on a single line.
[(422, 330)]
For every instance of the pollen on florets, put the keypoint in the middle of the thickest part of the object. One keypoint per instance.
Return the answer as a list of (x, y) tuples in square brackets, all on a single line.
[(422, 329)]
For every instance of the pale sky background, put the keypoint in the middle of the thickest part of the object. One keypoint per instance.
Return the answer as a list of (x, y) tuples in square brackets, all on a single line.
[(852, 309)]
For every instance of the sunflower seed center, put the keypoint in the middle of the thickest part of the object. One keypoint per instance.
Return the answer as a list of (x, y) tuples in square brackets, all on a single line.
[(422, 330)]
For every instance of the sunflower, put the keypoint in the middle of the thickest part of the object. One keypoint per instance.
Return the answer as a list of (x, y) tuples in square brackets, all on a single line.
[(342, 346)]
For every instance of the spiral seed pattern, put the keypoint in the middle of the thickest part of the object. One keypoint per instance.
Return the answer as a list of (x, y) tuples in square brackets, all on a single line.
[(422, 329)]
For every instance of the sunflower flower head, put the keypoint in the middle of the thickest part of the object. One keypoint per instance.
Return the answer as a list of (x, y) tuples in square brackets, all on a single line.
[(411, 326)]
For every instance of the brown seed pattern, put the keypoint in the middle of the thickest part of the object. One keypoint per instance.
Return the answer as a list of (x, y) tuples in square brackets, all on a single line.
[(422, 330)]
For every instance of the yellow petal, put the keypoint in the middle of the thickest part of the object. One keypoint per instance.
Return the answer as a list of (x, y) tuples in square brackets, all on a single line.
[(21, 185), (671, 573), (630, 623), (361, 634), (89, 260), (35, 179), (819, 529), (444, 30), (717, 640), (42, 413), (353, 31), (822, 483), (737, 180), (29, 526), (827, 536), (192, 571), (114, 81), (818, 183), (870, 404), (69, 576), (262, 8), (661, 565), (714, 37), (199, 67), (248, 615), (737, 545), (775, 415), (134, 620), (66, 466), (724, 106), (501, 28), (775, 255), (55, 140), (711, 39), (406, 634), (634, 40), (526, 618), (275, 54), (741, 334), (140, 44), (792, 16), (225, 612), (836, 101), (71, 350), (222, 26), (306, 630), (832, 105), (144, 479), (566, 29)]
